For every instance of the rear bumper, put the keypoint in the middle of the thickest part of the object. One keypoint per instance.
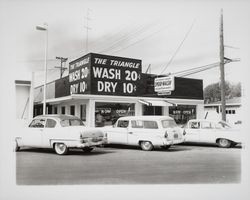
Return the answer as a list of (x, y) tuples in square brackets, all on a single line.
[(91, 144), (175, 141)]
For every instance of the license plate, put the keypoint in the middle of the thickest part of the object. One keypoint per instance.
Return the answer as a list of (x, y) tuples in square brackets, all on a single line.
[(175, 136)]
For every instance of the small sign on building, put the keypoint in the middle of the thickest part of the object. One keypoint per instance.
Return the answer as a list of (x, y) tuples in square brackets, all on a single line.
[(164, 85)]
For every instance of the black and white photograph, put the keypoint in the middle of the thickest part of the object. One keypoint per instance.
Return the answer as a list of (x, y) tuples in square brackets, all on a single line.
[(122, 99)]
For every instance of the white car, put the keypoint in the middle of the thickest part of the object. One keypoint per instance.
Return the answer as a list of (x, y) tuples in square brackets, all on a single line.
[(207, 131), (145, 131), (59, 132)]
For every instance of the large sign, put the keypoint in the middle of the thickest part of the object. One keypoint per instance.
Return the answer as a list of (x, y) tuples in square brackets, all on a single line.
[(79, 75), (105, 75), (164, 84)]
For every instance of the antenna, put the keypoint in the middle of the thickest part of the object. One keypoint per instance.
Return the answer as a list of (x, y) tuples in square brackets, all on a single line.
[(86, 26)]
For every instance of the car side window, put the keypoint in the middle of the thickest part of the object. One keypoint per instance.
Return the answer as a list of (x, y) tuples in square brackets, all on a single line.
[(122, 124), (50, 123), (195, 125), (206, 125), (144, 124), (150, 124), (137, 124), (37, 123)]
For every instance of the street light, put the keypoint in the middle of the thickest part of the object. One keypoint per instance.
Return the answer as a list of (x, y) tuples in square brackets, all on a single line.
[(44, 28)]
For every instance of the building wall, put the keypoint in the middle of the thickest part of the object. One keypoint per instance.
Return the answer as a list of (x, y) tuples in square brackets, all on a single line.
[(22, 101), (233, 113), (90, 104)]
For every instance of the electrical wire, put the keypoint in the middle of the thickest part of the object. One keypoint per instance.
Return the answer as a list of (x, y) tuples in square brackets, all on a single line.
[(146, 37), (177, 50)]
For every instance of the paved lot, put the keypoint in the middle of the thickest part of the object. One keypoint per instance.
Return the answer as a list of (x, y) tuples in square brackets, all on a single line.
[(181, 164)]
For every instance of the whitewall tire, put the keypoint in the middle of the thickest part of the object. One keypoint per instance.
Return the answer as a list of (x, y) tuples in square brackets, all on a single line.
[(61, 148), (146, 145)]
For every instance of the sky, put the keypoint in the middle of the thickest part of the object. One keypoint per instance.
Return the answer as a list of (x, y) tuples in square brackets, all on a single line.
[(185, 32)]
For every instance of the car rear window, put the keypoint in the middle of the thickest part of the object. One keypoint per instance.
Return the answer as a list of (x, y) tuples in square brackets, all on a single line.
[(168, 123), (71, 122)]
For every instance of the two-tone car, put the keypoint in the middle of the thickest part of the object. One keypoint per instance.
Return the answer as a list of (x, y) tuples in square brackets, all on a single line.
[(148, 132), (212, 132), (60, 132)]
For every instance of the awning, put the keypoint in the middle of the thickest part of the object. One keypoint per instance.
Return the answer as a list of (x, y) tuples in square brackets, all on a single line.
[(156, 102)]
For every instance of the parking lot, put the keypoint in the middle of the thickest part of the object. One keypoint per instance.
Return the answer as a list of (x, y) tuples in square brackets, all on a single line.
[(181, 164)]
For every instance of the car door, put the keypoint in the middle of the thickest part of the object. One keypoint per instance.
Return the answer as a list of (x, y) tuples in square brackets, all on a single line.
[(208, 132), (142, 130), (49, 132), (193, 132), (119, 134), (33, 134)]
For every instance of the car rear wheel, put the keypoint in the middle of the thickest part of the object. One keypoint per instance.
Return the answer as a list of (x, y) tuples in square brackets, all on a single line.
[(61, 149), (146, 145), (224, 143), (87, 149)]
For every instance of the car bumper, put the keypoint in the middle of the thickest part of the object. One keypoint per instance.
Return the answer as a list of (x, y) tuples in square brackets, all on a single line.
[(175, 141)]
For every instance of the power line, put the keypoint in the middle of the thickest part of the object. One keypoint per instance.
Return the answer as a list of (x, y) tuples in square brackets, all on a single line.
[(140, 30), (141, 39), (186, 35)]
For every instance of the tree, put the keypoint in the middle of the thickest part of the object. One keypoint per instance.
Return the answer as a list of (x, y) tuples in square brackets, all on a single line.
[(212, 92)]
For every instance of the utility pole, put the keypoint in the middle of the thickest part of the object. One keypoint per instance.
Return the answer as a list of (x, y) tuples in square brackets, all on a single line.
[(222, 72), (62, 69), (87, 29)]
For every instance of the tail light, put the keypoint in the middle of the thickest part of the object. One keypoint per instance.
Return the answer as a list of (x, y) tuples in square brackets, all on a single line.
[(81, 135), (166, 134)]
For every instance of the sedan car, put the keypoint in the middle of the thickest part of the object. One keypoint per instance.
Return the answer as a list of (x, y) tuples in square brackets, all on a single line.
[(60, 132), (145, 131), (206, 131)]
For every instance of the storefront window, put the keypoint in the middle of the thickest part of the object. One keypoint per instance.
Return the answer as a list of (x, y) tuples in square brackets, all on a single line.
[(55, 110), (182, 113), (108, 113), (63, 110), (72, 110), (152, 110), (83, 112)]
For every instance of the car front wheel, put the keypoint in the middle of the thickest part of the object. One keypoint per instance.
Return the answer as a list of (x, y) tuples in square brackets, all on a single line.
[(224, 143), (146, 145), (61, 149)]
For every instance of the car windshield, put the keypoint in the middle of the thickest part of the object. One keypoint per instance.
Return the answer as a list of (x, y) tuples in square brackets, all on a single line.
[(168, 123), (223, 124), (71, 122)]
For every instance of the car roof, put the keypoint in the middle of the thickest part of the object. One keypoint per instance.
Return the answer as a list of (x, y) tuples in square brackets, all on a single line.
[(57, 116), (146, 117)]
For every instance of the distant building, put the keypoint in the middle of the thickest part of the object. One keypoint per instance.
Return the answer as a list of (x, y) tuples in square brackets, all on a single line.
[(233, 110)]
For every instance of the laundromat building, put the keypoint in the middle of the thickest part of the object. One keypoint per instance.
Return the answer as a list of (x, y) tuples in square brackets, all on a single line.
[(114, 87)]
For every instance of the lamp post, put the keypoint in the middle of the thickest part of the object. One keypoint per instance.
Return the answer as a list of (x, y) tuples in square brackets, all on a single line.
[(44, 28)]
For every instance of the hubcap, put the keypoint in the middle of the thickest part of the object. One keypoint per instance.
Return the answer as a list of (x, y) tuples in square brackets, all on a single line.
[(146, 145), (61, 147), (224, 142)]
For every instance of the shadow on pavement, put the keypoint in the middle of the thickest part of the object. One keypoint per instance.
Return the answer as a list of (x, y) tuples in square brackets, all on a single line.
[(97, 151), (171, 149), (209, 145)]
